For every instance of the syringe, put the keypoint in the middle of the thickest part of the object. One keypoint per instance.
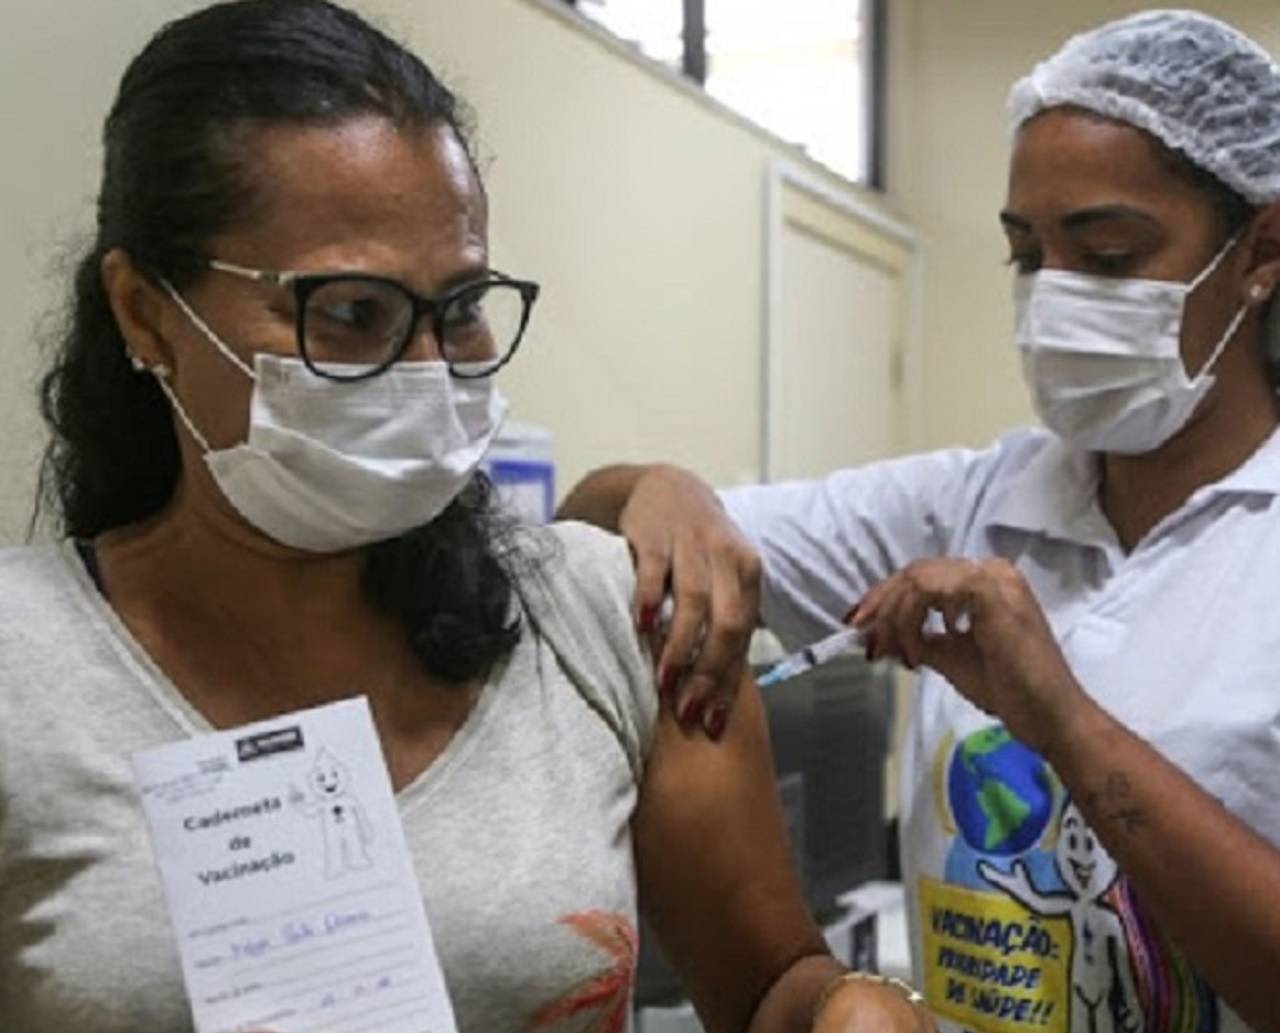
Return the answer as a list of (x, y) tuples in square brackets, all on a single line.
[(842, 643)]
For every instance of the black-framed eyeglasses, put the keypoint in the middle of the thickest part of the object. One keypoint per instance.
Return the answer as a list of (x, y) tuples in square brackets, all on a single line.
[(365, 321)]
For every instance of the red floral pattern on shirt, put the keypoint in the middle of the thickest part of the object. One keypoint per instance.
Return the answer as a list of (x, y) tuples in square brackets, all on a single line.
[(607, 994)]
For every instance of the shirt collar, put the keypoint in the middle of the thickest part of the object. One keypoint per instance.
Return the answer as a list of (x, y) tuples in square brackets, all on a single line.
[(1257, 475), (1056, 492)]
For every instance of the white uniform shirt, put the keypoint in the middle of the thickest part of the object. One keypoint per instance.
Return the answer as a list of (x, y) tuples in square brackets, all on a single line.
[(1019, 920)]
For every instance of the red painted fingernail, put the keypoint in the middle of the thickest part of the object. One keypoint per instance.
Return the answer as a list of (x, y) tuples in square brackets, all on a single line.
[(692, 712), (716, 722), (648, 618)]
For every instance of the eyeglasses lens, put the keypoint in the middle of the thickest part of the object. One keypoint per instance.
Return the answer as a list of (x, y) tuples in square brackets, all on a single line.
[(367, 323), (480, 325), (356, 321)]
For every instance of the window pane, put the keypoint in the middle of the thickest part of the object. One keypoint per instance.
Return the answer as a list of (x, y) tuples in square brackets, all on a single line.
[(797, 69), (655, 26)]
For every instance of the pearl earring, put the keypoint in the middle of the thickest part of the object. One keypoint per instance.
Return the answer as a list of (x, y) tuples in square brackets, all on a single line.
[(137, 364), (1257, 292)]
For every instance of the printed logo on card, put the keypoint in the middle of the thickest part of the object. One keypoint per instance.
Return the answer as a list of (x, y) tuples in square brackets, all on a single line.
[(264, 744)]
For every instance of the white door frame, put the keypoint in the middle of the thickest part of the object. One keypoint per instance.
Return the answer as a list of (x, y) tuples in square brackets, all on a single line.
[(782, 173)]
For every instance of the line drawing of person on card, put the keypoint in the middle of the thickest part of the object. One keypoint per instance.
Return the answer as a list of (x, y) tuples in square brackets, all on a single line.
[(346, 828)]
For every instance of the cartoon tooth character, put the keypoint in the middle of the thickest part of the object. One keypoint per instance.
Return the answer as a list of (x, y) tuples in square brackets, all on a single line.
[(1104, 997), (346, 828)]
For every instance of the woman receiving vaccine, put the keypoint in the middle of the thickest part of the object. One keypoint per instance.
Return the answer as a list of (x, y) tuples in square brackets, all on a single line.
[(266, 411), (1089, 803)]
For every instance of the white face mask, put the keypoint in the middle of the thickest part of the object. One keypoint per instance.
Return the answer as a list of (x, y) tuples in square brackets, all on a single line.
[(1103, 356), (332, 465)]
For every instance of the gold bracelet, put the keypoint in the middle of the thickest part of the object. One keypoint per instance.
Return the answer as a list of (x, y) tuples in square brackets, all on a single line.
[(908, 991)]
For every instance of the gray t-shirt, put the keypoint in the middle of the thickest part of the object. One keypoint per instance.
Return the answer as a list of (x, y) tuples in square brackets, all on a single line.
[(520, 830)]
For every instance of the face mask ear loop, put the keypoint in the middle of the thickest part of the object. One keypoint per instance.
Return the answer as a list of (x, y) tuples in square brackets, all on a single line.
[(1209, 270), (1212, 267), (182, 413), (205, 329), (1226, 339)]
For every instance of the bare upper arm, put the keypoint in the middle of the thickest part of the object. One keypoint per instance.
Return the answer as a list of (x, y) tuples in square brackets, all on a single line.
[(716, 876)]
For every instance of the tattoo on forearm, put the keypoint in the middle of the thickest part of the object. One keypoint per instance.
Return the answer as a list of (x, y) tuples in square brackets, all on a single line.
[(1114, 804)]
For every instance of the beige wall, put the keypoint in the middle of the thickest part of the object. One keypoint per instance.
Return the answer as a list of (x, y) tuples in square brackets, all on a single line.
[(640, 208), (963, 56), (57, 75)]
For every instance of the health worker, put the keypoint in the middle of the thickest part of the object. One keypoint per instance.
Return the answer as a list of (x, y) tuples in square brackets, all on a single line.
[(1089, 796)]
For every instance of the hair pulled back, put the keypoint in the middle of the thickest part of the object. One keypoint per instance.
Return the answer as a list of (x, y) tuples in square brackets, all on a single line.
[(174, 176)]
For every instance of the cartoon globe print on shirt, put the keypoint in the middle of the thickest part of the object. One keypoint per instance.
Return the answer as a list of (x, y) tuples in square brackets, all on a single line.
[(1018, 842), (1001, 793)]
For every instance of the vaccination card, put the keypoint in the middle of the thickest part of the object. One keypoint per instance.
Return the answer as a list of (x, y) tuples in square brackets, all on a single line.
[(290, 889)]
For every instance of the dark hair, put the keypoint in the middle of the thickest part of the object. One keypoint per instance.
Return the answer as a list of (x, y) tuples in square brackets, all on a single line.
[(174, 175)]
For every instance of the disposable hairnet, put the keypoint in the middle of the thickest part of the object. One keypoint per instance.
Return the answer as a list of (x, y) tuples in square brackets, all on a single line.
[(1191, 81)]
